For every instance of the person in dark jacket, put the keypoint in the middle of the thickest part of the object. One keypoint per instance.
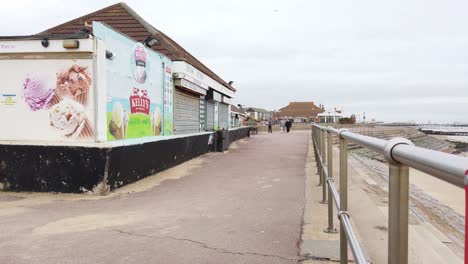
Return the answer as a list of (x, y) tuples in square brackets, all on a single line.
[(288, 125)]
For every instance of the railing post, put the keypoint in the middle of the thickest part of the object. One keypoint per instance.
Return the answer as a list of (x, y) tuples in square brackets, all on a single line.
[(466, 223), (343, 194), (331, 228), (398, 205), (318, 145), (324, 181)]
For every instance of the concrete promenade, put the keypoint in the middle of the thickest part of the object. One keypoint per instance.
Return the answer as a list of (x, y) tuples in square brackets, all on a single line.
[(242, 206)]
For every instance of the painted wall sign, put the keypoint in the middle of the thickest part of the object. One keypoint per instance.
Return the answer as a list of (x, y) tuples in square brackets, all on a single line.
[(50, 100), (136, 88), (8, 99), (191, 86), (168, 100), (187, 71)]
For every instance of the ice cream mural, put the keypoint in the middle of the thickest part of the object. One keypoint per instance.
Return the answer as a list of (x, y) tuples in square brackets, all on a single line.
[(69, 119), (74, 82), (64, 94), (37, 92), (140, 62), (118, 125), (156, 122), (135, 80)]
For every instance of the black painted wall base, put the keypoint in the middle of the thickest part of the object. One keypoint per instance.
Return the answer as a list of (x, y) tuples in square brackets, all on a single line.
[(81, 169)]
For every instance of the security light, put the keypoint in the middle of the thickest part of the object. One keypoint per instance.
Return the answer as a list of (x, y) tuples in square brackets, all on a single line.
[(150, 41), (45, 42), (109, 55), (71, 44)]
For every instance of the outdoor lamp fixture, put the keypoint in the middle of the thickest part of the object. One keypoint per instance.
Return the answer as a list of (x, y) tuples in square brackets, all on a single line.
[(231, 82), (71, 44), (150, 41)]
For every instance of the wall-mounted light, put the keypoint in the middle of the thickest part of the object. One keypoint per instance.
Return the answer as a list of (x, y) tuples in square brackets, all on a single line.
[(45, 43), (150, 41), (231, 82), (71, 44), (109, 55)]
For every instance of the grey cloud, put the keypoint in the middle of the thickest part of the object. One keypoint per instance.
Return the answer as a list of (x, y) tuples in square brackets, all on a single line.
[(394, 60)]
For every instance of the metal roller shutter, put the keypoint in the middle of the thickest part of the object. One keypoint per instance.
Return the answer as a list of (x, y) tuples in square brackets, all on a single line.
[(186, 113), (209, 115), (223, 116), (202, 113)]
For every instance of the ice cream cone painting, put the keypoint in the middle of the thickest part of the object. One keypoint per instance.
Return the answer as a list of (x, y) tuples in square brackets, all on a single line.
[(156, 122), (75, 83), (68, 118), (118, 124)]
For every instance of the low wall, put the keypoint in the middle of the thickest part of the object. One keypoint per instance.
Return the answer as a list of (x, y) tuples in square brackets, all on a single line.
[(295, 126), (81, 169)]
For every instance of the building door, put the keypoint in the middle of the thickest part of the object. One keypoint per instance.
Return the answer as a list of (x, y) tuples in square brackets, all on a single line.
[(186, 113)]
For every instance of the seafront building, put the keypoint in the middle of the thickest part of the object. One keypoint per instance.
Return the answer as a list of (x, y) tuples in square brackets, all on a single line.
[(117, 98), (258, 114), (300, 112)]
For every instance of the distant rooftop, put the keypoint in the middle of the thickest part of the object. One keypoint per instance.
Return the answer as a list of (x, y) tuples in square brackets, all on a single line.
[(300, 109)]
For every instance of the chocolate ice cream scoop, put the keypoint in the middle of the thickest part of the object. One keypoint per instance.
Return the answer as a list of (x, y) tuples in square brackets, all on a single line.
[(74, 81)]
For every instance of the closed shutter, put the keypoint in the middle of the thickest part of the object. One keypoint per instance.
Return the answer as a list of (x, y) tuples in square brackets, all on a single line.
[(209, 115), (223, 116), (186, 113), (202, 113)]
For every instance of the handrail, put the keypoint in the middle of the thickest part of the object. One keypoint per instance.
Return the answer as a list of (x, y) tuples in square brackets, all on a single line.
[(343, 215), (447, 167), (401, 154)]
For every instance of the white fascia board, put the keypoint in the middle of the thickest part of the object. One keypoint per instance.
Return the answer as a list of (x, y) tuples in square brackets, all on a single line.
[(35, 46), (188, 71)]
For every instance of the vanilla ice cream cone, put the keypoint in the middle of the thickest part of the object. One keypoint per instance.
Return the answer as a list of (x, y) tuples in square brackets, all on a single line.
[(68, 118), (156, 122), (119, 119)]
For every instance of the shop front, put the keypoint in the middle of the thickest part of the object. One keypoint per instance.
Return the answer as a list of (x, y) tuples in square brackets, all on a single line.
[(187, 107)]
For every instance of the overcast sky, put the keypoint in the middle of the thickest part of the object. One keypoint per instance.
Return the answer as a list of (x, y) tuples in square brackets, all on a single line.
[(395, 60)]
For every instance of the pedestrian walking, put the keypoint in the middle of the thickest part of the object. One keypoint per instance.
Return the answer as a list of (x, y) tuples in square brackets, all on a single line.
[(270, 130), (288, 125), (283, 125)]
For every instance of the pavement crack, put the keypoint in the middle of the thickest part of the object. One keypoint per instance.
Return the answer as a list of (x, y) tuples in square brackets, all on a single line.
[(204, 245)]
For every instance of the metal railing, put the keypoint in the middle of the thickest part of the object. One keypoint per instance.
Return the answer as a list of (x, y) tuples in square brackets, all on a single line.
[(400, 154)]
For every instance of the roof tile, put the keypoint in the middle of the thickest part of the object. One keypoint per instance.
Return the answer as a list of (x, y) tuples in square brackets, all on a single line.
[(124, 19)]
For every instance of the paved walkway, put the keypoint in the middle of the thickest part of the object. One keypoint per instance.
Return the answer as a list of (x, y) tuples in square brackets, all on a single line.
[(243, 206)]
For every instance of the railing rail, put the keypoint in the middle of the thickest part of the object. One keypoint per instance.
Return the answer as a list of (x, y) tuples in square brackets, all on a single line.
[(400, 154)]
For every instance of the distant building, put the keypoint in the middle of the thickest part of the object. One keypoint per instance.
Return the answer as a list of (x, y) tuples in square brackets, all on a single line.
[(237, 117), (258, 114), (329, 116), (300, 112)]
